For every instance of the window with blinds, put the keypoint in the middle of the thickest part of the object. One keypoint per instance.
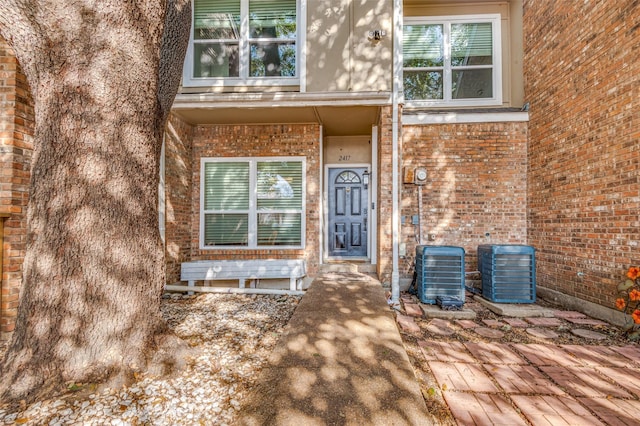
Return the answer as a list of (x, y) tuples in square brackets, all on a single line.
[(243, 39), (253, 202), (453, 61)]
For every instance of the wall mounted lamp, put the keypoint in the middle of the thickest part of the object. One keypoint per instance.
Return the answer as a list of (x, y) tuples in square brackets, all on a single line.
[(376, 35)]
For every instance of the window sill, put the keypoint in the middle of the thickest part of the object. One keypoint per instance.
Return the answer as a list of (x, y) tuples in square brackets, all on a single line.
[(240, 248), (414, 104), (486, 115), (239, 82)]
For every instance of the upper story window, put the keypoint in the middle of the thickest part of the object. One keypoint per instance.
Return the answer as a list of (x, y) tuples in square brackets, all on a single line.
[(452, 61), (243, 42)]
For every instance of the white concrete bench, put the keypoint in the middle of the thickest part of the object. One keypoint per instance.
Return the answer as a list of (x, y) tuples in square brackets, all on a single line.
[(242, 270)]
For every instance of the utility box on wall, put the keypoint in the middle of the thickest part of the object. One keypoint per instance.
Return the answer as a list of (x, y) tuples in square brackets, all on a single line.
[(508, 273), (440, 272)]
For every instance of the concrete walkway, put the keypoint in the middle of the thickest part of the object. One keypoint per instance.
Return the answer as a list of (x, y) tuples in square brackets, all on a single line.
[(341, 361)]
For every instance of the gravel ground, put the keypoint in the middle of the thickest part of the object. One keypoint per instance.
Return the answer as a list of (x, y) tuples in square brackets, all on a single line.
[(233, 333)]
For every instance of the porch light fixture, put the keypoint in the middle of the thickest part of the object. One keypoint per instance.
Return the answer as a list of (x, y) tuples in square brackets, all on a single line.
[(365, 178), (376, 35)]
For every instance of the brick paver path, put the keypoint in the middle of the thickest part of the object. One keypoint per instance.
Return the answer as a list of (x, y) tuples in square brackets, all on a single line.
[(588, 334), (554, 410), (440, 327), (615, 412), (494, 353), (586, 321), (467, 324), (538, 384), (545, 322), (596, 355), (630, 352), (493, 323), (516, 322), (444, 351), (568, 314), (482, 409), (542, 333), (489, 332), (584, 381), (458, 376)]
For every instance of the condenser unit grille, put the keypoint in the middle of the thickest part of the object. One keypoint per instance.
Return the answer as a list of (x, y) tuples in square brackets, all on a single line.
[(440, 272), (508, 273)]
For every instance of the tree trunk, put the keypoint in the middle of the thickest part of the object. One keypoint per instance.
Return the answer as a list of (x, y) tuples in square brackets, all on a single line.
[(103, 78)]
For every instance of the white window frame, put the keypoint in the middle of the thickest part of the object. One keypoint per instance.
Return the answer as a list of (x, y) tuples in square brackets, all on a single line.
[(495, 20), (188, 80), (252, 243)]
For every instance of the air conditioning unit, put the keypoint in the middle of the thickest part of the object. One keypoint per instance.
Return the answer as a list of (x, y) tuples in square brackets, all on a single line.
[(440, 272), (508, 273)]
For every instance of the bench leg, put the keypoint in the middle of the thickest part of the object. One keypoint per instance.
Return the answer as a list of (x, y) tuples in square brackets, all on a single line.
[(241, 282), (292, 283), (191, 284)]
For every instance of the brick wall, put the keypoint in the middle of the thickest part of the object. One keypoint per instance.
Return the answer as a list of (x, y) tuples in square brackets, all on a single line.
[(476, 185), (581, 73), (261, 141), (16, 144), (178, 192), (385, 201)]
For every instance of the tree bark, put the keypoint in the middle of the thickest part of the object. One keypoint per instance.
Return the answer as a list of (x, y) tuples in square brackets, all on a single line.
[(103, 76)]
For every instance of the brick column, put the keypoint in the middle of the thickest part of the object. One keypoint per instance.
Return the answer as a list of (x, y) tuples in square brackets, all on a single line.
[(178, 187), (385, 202), (16, 145)]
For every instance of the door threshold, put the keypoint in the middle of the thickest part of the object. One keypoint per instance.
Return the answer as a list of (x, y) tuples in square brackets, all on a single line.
[(347, 259)]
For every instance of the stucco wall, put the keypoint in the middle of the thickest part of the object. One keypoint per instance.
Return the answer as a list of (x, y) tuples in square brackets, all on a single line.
[(340, 54)]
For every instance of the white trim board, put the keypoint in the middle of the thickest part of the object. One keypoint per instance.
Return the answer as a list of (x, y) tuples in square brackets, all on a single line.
[(252, 211), (467, 117)]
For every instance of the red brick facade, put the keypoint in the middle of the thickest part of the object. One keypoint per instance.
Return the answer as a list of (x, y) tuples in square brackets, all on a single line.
[(476, 188), (385, 200), (16, 144), (261, 141), (582, 80), (567, 182), (178, 169)]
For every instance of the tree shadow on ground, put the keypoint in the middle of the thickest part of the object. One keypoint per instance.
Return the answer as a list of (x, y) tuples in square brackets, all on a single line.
[(340, 362)]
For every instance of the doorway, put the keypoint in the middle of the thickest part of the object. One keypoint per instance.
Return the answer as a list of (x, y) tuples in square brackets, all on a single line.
[(348, 212)]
